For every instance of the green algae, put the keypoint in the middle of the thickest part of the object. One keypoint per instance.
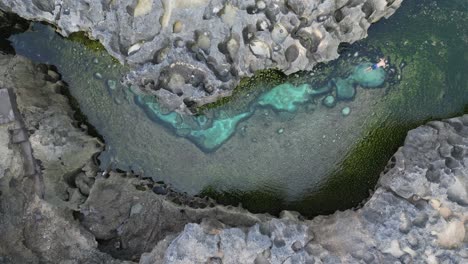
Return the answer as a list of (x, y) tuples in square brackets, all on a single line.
[(285, 97), (221, 130), (250, 87), (82, 38), (432, 87)]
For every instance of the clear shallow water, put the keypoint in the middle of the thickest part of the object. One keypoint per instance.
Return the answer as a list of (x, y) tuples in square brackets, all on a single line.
[(313, 159)]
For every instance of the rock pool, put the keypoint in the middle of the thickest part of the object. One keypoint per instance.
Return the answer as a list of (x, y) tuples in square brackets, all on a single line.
[(314, 142)]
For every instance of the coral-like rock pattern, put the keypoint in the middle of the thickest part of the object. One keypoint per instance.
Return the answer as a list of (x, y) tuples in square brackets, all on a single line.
[(189, 52)]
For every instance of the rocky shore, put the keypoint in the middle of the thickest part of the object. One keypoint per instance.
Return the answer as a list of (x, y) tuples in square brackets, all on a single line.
[(57, 207), (189, 53)]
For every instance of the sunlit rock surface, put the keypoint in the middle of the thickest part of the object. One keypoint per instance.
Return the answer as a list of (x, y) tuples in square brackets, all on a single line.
[(185, 51)]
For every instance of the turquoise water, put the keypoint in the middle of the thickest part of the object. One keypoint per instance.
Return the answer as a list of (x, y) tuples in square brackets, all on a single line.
[(285, 97), (314, 143)]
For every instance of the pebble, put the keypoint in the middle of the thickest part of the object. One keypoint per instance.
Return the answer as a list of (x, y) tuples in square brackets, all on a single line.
[(281, 131), (329, 101), (261, 5), (346, 111), (95, 61), (160, 190), (260, 48), (204, 42), (279, 33), (97, 75), (178, 26), (133, 49), (53, 75), (445, 212), (111, 84), (296, 246), (291, 53), (136, 209)]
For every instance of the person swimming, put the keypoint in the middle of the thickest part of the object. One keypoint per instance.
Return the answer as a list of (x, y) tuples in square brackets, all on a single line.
[(381, 64)]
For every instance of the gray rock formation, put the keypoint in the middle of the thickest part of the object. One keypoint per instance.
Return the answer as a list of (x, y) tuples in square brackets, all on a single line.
[(56, 207), (130, 219), (35, 228), (418, 214), (192, 52)]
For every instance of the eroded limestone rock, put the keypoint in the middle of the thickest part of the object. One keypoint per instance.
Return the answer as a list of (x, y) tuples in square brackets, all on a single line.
[(409, 219), (217, 41)]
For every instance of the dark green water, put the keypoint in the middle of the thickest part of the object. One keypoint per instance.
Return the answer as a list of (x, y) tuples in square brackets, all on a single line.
[(314, 161)]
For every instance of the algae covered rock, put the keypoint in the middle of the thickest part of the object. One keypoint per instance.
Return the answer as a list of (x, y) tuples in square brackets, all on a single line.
[(286, 97), (329, 101), (345, 89)]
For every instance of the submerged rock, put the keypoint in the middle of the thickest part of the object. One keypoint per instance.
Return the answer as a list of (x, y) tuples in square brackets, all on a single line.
[(346, 111), (329, 101), (288, 35)]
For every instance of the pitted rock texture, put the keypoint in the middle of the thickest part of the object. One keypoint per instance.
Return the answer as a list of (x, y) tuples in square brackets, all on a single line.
[(418, 214), (192, 52), (38, 228), (127, 215)]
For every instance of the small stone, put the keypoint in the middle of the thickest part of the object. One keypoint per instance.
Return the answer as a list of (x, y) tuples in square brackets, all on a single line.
[(421, 220), (179, 43), (136, 209), (261, 5), (296, 246), (346, 111), (133, 49), (445, 212), (111, 84), (204, 42), (322, 18), (54, 77), (160, 190), (98, 76), (260, 48), (329, 101), (291, 53), (161, 55), (95, 61), (279, 33), (261, 260), (281, 131), (178, 26), (278, 242)]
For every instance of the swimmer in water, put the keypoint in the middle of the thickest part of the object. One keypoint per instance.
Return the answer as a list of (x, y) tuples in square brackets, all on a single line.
[(381, 64)]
